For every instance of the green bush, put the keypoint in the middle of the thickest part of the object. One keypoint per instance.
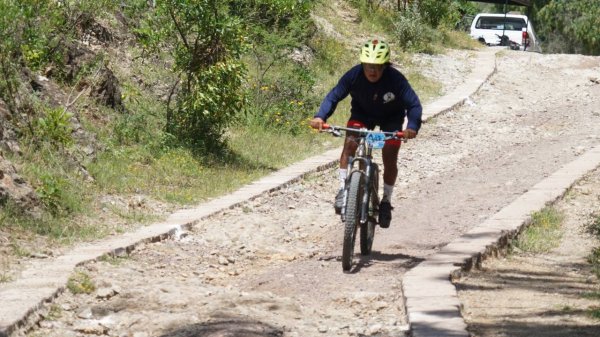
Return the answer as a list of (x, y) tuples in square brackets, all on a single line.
[(280, 90), (286, 104), (570, 26), (442, 13), (81, 283), (55, 127), (56, 195), (206, 43), (275, 14), (35, 34), (414, 33)]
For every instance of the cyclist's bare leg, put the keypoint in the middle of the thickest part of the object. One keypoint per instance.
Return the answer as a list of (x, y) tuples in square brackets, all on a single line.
[(350, 146), (390, 163), (390, 172)]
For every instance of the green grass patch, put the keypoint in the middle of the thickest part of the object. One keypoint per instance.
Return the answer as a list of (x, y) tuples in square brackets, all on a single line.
[(176, 176), (63, 229), (5, 275), (594, 312), (54, 313), (426, 88), (543, 234), (373, 17), (133, 216), (594, 259), (594, 226), (594, 256), (113, 260), (566, 308), (81, 283), (592, 295), (459, 40), (19, 250), (56, 177)]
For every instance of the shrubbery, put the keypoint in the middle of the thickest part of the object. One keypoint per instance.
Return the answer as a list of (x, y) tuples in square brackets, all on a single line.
[(36, 34), (412, 31), (208, 39), (570, 26)]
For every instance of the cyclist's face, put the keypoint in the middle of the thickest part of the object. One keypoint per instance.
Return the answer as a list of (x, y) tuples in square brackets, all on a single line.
[(373, 72)]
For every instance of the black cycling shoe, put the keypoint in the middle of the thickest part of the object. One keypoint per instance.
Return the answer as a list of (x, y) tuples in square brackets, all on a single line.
[(339, 201), (385, 214)]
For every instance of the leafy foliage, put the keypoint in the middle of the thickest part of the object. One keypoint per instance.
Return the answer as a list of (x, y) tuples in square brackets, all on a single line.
[(51, 192), (420, 27), (55, 126), (438, 12), (412, 31), (285, 104), (576, 24), (36, 33), (280, 96), (206, 43)]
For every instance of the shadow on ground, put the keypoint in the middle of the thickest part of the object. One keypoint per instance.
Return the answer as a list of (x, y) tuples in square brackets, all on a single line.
[(400, 261), (565, 318), (226, 327), (516, 329)]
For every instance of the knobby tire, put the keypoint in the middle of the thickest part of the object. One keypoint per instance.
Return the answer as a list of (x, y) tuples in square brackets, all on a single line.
[(367, 230), (353, 204)]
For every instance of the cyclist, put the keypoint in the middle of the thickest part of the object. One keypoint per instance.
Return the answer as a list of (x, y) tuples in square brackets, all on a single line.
[(381, 96)]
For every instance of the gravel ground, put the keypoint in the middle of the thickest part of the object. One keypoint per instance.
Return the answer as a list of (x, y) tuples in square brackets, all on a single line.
[(271, 267)]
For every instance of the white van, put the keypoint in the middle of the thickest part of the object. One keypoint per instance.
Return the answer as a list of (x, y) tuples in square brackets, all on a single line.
[(489, 28)]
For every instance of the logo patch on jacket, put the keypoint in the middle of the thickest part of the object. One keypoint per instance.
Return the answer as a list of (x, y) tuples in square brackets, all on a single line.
[(388, 97)]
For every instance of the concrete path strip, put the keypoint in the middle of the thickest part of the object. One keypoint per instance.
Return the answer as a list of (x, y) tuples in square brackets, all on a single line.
[(44, 280)]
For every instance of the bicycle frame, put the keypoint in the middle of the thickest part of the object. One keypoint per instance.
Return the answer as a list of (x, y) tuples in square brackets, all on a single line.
[(361, 190), (362, 162)]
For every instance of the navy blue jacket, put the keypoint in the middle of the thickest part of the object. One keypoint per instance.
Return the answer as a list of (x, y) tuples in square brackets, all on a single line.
[(392, 94)]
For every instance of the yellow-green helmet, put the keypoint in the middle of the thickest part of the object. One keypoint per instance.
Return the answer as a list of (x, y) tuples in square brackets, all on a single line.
[(375, 52)]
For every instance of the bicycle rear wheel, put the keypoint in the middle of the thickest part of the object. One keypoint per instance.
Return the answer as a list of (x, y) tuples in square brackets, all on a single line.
[(367, 230), (352, 218)]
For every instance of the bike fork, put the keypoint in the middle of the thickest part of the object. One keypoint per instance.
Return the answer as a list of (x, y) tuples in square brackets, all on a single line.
[(364, 209)]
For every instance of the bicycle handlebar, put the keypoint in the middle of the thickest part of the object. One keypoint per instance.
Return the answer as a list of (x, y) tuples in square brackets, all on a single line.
[(335, 130)]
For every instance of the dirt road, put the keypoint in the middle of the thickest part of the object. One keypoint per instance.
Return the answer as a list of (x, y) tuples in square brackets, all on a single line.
[(271, 267)]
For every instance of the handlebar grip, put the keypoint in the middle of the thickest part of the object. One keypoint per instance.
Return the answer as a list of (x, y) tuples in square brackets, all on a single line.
[(400, 134), (325, 126)]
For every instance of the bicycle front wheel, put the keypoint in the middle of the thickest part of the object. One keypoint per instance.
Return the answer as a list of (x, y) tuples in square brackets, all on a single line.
[(353, 204), (367, 230)]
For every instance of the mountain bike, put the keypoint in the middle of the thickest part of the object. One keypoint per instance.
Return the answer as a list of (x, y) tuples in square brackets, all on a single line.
[(361, 192)]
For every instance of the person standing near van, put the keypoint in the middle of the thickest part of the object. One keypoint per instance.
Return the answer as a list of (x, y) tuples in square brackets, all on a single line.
[(380, 96)]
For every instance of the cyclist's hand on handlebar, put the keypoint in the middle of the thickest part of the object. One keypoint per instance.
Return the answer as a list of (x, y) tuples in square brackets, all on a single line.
[(317, 123), (409, 133)]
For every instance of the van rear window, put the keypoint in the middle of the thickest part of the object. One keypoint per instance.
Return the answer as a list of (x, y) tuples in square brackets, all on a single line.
[(494, 22)]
